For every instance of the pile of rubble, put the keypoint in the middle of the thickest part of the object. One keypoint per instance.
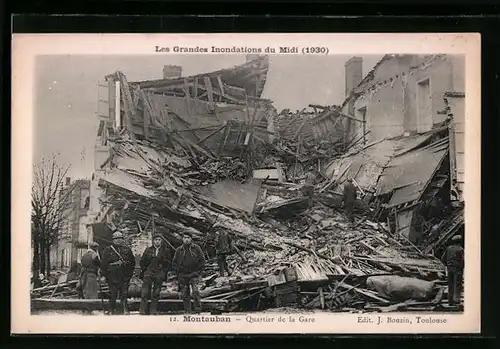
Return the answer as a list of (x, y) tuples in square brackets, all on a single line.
[(296, 253), (328, 266), (293, 251)]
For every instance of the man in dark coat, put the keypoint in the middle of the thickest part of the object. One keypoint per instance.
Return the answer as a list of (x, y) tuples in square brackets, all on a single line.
[(90, 271), (224, 246), (349, 199), (155, 263), (117, 267), (189, 262), (308, 187), (453, 258)]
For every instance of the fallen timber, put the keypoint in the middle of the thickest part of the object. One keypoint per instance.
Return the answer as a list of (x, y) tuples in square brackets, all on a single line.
[(164, 305), (340, 274)]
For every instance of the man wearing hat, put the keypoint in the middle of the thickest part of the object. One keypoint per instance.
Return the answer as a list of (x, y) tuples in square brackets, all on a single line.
[(155, 263), (349, 199), (224, 246), (90, 269), (188, 263), (117, 267), (308, 187), (453, 258)]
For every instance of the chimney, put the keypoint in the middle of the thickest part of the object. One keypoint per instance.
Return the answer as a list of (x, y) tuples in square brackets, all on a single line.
[(353, 73), (172, 71)]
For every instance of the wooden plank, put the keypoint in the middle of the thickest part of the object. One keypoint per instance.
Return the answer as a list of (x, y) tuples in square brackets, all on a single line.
[(300, 128), (322, 297), (371, 248), (398, 306), (187, 97), (224, 138), (247, 111), (439, 296), (381, 240), (147, 112), (196, 85), (221, 85), (402, 264), (184, 141), (210, 92), (364, 292), (130, 111), (168, 119), (95, 304), (211, 134)]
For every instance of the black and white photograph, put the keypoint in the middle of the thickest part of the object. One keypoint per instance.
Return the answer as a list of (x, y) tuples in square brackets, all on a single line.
[(249, 183)]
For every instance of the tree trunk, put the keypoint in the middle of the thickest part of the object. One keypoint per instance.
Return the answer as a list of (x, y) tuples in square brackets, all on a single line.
[(42, 256), (36, 259), (48, 259)]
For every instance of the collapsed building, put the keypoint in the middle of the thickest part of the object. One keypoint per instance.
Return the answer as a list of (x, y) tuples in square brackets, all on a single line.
[(183, 153), (409, 114)]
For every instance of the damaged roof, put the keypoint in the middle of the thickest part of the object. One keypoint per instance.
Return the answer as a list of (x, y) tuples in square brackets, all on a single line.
[(250, 76), (407, 175), (365, 165), (402, 166)]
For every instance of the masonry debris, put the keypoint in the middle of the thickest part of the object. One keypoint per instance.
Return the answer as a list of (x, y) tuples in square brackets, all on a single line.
[(188, 153)]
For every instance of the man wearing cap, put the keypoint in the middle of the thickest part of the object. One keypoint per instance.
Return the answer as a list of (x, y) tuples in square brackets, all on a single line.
[(349, 199), (224, 246), (308, 188), (155, 263), (90, 271), (117, 267), (188, 263), (453, 258)]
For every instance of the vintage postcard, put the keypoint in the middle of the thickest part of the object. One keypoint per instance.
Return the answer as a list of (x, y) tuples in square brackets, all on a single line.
[(246, 183)]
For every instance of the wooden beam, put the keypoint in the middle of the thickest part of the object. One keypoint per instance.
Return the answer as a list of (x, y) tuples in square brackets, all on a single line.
[(364, 293), (208, 86), (351, 117), (97, 304), (188, 96), (300, 128), (147, 111), (211, 134), (215, 92), (336, 112), (221, 85), (181, 139), (196, 84), (130, 109), (227, 129), (317, 106)]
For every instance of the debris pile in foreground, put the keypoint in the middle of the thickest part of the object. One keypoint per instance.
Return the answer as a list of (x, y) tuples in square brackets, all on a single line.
[(297, 256)]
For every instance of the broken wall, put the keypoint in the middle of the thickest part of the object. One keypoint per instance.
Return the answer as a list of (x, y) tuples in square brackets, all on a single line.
[(439, 73), (391, 98)]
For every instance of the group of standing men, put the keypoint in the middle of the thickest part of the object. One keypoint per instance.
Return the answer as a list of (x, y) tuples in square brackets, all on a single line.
[(117, 265)]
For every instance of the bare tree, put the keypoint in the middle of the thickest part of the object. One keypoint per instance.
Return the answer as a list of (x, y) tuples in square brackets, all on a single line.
[(51, 205)]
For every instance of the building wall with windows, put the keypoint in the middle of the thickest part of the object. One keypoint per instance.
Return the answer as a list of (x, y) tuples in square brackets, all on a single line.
[(403, 93)]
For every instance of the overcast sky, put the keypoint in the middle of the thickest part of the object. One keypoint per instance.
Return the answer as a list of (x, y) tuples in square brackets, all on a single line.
[(67, 96)]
